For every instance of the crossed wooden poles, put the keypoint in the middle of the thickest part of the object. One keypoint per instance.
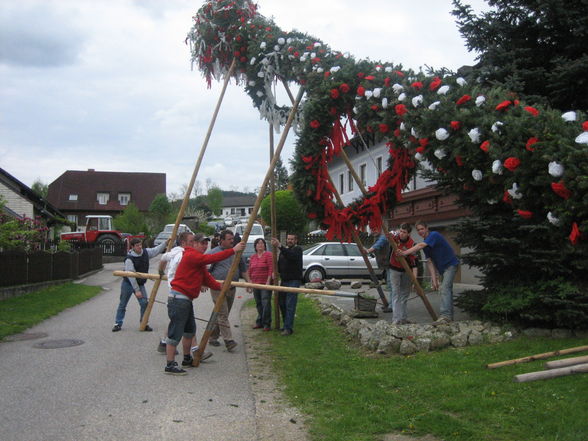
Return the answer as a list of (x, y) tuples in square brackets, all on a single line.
[(274, 156)]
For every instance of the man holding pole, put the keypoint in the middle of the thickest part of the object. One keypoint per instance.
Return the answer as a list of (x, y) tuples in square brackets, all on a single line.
[(190, 276), (290, 269)]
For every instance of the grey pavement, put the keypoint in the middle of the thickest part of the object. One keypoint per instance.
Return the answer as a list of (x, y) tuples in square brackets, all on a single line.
[(112, 387)]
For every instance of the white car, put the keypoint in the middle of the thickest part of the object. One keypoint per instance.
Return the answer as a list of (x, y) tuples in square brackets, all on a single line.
[(255, 233), (167, 231), (335, 259)]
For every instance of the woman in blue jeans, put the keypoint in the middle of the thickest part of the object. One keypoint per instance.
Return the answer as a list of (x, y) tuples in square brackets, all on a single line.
[(441, 258)]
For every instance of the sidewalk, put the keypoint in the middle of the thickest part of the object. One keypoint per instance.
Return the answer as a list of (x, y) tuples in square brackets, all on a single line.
[(112, 387)]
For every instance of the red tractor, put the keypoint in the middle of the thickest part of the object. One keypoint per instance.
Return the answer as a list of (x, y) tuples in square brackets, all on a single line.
[(99, 230)]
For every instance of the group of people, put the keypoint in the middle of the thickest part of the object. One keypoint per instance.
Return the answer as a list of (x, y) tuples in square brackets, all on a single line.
[(192, 268), (442, 262)]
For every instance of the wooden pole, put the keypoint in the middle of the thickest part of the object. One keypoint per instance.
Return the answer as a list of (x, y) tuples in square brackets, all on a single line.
[(182, 210), (552, 373), (537, 357), (276, 274), (237, 257), (566, 362)]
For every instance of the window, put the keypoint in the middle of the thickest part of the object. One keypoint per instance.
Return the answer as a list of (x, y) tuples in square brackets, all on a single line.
[(378, 166), (232, 211), (362, 173), (341, 183), (349, 181), (73, 197), (102, 198), (73, 218), (124, 198)]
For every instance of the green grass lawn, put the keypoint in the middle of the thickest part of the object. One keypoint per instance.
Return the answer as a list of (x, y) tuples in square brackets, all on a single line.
[(351, 395), (20, 313)]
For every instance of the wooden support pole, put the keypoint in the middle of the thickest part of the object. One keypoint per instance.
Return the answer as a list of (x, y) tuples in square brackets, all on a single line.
[(566, 362), (182, 210), (552, 373), (537, 357), (237, 257), (276, 274)]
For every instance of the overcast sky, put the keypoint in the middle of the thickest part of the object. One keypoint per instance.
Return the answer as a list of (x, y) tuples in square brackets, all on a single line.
[(107, 84)]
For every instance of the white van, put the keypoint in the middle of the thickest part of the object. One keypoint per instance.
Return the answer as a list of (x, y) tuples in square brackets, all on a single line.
[(255, 233), (167, 231)]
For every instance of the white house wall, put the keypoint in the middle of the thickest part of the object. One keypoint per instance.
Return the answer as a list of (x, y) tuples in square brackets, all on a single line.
[(16, 202)]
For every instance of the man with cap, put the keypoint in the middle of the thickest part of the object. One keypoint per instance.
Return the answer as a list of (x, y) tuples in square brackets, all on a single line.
[(190, 276)]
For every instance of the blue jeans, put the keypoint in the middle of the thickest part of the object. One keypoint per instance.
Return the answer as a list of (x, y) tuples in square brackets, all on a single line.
[(181, 320), (287, 302), (126, 291), (263, 302), (446, 291)]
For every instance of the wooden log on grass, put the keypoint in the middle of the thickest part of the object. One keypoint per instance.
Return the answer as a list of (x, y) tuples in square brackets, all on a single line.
[(556, 364), (537, 357), (552, 373)]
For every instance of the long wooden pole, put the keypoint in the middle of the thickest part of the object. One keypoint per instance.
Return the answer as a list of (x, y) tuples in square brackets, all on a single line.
[(537, 357), (237, 257), (276, 274), (186, 200), (552, 373), (566, 362)]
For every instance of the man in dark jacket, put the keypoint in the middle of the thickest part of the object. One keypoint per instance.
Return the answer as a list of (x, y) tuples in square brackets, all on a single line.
[(290, 269)]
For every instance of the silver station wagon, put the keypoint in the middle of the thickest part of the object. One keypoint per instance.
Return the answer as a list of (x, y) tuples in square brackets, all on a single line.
[(335, 259)]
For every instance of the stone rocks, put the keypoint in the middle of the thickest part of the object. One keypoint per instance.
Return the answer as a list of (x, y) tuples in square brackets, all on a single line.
[(332, 284)]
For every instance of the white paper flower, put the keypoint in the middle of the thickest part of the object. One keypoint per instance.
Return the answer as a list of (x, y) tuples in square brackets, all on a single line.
[(440, 153), (492, 201), (434, 105), (368, 94), (480, 100), (260, 74), (378, 68), (262, 45), (419, 157), (281, 40), (417, 100), (377, 92), (569, 116), (313, 55), (402, 97), (474, 135), (497, 167), (317, 44), (251, 83), (402, 126), (582, 138), (302, 59), (384, 103), (551, 218), (397, 88), (555, 169), (252, 62), (477, 175), (496, 126), (259, 93), (355, 110), (388, 69), (461, 81), (320, 70), (443, 90), (514, 191), (414, 133), (335, 69), (441, 134)]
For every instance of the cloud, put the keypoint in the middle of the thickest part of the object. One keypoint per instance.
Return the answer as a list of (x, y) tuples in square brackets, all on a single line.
[(37, 35)]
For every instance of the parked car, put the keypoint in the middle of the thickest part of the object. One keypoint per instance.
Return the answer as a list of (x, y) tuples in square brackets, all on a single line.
[(335, 259), (317, 233), (167, 231), (256, 231)]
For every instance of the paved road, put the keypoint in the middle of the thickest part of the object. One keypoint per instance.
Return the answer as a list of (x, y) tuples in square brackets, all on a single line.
[(113, 387)]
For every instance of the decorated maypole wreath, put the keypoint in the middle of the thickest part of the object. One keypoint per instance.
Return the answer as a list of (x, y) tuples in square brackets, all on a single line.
[(482, 144)]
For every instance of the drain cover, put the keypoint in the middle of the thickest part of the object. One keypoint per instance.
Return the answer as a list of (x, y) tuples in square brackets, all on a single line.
[(26, 336), (56, 344)]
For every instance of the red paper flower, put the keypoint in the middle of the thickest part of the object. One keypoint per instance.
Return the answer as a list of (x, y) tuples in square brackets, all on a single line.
[(311, 215), (575, 234), (525, 214), (560, 189), (296, 54), (417, 85), (585, 126), (504, 105), (463, 99), (334, 93), (486, 146), (344, 88), (361, 91), (333, 111), (512, 163), (420, 149), (397, 133), (384, 128), (399, 73), (532, 110), (387, 81), (370, 77), (374, 107), (435, 84), (327, 74), (459, 160), (400, 109), (530, 143), (506, 198), (455, 125), (307, 159), (315, 124), (423, 142), (360, 75)]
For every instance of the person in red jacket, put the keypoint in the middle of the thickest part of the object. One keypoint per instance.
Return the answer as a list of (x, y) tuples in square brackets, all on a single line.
[(400, 280), (190, 276)]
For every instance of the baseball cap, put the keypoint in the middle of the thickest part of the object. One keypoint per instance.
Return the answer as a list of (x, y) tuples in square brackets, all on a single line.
[(200, 237)]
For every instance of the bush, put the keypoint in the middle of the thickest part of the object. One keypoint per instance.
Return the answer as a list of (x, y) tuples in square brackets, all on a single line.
[(555, 303), (289, 213)]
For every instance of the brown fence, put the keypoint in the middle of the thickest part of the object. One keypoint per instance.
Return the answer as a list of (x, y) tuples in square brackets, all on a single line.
[(20, 268)]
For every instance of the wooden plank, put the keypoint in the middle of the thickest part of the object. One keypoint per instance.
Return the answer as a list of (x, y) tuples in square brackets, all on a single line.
[(537, 357)]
